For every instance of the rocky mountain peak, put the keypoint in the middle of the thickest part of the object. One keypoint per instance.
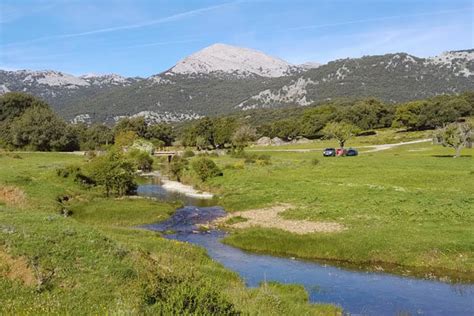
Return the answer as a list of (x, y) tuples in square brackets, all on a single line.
[(222, 58)]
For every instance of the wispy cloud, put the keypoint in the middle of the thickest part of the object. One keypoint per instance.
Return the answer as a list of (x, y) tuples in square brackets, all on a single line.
[(384, 18), (171, 18)]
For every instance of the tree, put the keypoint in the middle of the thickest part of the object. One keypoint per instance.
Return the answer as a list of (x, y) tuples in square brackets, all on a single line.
[(14, 104), (456, 136), (224, 128), (93, 137), (125, 138), (368, 114), (38, 128), (142, 160), (160, 134), (313, 120), (177, 167), (205, 168), (340, 131), (114, 172), (135, 124), (242, 136)]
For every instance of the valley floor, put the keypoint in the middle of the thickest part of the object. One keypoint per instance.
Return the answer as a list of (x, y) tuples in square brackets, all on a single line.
[(406, 209), (95, 262)]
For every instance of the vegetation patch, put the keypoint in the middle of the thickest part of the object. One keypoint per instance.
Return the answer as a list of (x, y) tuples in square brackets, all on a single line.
[(16, 269), (12, 196)]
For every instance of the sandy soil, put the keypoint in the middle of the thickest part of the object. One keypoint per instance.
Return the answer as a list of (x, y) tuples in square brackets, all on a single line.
[(187, 190), (270, 218), (16, 269), (12, 196)]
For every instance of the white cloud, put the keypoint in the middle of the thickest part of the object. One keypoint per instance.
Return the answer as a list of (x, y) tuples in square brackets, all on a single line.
[(171, 18)]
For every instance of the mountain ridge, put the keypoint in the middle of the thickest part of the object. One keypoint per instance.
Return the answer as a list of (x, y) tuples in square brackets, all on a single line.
[(186, 92)]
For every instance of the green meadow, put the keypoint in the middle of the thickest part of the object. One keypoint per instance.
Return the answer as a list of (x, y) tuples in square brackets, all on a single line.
[(95, 262), (408, 210)]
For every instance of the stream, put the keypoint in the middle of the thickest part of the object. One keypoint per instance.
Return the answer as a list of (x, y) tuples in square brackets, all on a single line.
[(357, 292)]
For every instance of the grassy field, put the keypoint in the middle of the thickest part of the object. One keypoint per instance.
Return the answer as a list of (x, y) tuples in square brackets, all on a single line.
[(409, 209), (95, 262)]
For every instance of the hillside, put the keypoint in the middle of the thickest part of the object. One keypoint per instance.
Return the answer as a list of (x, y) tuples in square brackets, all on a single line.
[(223, 79)]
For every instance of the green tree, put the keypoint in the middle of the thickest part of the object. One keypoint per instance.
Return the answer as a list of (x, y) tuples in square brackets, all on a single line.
[(160, 134), (243, 136), (94, 137), (125, 138), (368, 114), (14, 104), (38, 128), (135, 124), (205, 168), (340, 131), (224, 128), (141, 159), (313, 120), (456, 136), (114, 172), (177, 167)]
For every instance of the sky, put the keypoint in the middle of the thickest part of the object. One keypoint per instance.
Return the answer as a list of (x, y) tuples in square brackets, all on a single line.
[(145, 37)]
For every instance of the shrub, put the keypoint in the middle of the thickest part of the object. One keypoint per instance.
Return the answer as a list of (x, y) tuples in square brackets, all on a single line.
[(114, 172), (315, 161), (235, 166), (260, 162), (188, 153), (177, 167), (142, 160), (205, 168), (67, 171)]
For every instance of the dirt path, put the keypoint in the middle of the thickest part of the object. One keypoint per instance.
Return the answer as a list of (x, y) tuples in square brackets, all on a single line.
[(270, 218), (374, 148)]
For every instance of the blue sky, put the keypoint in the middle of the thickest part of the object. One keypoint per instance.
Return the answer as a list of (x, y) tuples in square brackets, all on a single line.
[(140, 38)]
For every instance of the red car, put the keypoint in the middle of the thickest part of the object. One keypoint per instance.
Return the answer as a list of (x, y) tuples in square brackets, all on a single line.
[(341, 152)]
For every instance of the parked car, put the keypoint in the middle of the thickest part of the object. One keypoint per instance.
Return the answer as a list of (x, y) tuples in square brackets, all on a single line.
[(329, 152), (352, 152), (341, 152)]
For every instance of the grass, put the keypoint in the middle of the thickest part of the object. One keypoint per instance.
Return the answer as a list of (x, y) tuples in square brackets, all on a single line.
[(384, 136), (94, 262), (408, 209)]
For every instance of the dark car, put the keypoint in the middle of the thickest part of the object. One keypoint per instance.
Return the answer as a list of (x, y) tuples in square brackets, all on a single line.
[(329, 152), (352, 152)]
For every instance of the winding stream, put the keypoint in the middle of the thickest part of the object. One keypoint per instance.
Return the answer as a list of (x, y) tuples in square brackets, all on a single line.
[(359, 293)]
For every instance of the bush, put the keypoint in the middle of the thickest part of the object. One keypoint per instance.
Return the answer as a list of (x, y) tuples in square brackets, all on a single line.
[(65, 172), (236, 166), (315, 161), (188, 153), (177, 167), (142, 160), (114, 172), (262, 159), (205, 168)]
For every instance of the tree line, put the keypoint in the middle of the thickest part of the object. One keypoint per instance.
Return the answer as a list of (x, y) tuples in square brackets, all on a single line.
[(29, 123)]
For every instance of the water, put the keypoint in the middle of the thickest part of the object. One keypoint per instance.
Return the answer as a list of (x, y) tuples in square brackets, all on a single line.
[(365, 293)]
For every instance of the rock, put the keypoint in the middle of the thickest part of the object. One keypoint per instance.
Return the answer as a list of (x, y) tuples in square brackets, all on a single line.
[(277, 141), (302, 140), (264, 141)]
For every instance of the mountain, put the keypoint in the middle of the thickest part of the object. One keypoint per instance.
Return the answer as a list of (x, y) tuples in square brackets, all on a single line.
[(225, 59), (391, 77), (221, 79)]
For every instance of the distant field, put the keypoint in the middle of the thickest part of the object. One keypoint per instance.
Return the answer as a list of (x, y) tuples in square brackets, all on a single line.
[(383, 136), (409, 209)]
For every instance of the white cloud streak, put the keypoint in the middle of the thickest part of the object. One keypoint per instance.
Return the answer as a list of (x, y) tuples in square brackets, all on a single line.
[(385, 18), (171, 18)]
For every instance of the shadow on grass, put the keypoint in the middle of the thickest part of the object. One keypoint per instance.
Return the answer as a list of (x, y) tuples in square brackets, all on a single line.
[(451, 156)]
